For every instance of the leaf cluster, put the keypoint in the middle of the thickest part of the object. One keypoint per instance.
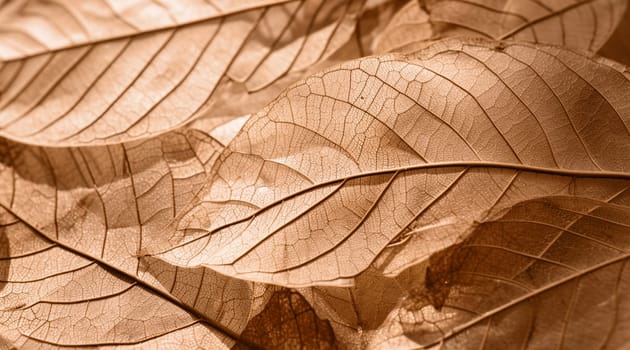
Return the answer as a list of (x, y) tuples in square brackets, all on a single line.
[(317, 174)]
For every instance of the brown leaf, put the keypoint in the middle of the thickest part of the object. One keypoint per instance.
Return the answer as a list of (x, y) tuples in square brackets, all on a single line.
[(322, 180), (98, 73), (356, 312), (618, 47), (376, 18), (288, 322), (451, 197), (546, 273), (579, 24)]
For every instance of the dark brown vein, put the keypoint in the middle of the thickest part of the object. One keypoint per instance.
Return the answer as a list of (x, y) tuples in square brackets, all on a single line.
[(522, 27), (464, 164), (263, 5)]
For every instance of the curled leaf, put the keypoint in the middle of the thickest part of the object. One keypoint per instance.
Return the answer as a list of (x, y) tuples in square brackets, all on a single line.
[(288, 322), (549, 272), (579, 24), (323, 179), (618, 46), (55, 296), (99, 73), (95, 208)]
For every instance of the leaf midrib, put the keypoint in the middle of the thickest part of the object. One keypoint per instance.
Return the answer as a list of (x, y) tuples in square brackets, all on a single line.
[(454, 164)]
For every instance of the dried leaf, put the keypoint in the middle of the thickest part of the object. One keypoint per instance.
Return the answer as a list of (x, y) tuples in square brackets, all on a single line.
[(376, 18), (122, 194), (320, 182), (579, 24), (288, 322), (618, 46), (356, 313), (98, 73), (449, 197), (546, 273), (100, 206), (55, 296)]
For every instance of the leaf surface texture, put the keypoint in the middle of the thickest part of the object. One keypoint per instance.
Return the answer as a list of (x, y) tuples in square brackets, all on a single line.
[(319, 183), (244, 175), (137, 71), (579, 24)]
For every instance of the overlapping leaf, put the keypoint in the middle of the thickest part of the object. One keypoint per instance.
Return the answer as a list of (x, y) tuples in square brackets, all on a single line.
[(546, 273), (289, 322), (352, 312), (94, 208), (96, 72), (55, 296), (320, 182), (618, 46), (579, 24), (106, 201), (417, 200)]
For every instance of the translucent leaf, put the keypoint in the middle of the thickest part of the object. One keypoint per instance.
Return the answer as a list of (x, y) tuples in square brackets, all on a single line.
[(579, 24), (545, 273), (95, 72), (322, 180)]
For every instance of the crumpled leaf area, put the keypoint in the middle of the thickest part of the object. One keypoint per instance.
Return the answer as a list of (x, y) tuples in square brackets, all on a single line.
[(314, 174)]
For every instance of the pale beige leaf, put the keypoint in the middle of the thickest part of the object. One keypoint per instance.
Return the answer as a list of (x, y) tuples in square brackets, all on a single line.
[(105, 204), (322, 180), (546, 273), (579, 24), (54, 296), (36, 27), (121, 195), (95, 72)]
